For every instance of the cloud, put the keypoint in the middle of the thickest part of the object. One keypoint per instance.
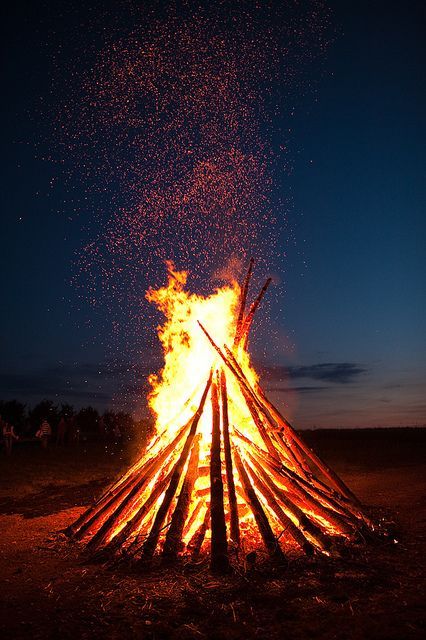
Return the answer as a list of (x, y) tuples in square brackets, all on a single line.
[(110, 380), (95, 382), (42, 384), (335, 372)]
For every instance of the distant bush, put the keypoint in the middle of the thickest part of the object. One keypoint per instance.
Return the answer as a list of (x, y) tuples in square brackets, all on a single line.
[(110, 425)]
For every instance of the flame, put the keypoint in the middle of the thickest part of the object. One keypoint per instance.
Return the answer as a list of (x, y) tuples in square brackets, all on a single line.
[(189, 357), (181, 395), (188, 360)]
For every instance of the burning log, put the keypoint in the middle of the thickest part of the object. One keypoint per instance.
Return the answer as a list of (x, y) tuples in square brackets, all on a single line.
[(289, 452), (232, 497), (134, 523), (269, 480), (173, 539), (192, 518), (307, 488), (243, 300), (283, 518), (296, 513), (260, 458), (196, 542), (249, 318), (109, 493), (150, 544), (219, 545), (259, 424), (94, 517), (265, 530), (303, 499), (320, 464), (251, 400)]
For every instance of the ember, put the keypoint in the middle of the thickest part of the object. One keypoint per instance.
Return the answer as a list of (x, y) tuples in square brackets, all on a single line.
[(226, 473)]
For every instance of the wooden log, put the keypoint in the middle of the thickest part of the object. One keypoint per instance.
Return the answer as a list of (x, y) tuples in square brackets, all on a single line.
[(317, 461), (192, 518), (291, 452), (345, 508), (330, 499), (284, 424), (134, 523), (249, 318), (136, 468), (232, 497), (280, 514), (125, 501), (231, 366), (294, 448), (196, 542), (151, 542), (216, 347), (108, 508), (292, 459), (243, 299), (259, 424), (119, 514), (229, 360), (265, 530), (292, 482), (305, 501), (173, 541), (295, 460), (123, 481), (226, 360), (134, 471), (219, 562), (303, 523)]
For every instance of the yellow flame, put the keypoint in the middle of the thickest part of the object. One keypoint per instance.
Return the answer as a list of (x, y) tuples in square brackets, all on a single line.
[(189, 357)]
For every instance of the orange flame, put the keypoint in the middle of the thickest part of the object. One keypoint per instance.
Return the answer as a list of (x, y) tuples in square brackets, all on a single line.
[(175, 399), (188, 360), (189, 357)]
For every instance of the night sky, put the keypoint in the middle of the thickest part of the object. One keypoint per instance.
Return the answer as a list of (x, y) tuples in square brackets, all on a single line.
[(342, 342)]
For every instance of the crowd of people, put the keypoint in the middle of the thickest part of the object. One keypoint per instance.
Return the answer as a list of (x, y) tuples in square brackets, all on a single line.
[(44, 433), (9, 435), (68, 429)]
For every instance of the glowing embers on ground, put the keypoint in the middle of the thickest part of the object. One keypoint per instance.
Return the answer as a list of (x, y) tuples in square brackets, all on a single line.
[(226, 472)]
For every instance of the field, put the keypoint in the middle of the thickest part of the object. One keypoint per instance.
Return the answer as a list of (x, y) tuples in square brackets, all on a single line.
[(49, 591)]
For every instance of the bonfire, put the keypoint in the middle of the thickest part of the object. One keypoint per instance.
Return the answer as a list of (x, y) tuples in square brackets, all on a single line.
[(226, 474)]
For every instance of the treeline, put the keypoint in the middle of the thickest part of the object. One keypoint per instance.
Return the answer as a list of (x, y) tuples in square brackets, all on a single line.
[(27, 420)]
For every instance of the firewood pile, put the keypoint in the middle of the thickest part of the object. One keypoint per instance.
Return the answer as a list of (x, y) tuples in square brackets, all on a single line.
[(222, 490)]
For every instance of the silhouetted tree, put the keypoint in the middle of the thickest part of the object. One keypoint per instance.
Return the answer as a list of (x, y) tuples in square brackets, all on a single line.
[(44, 410), (14, 413), (66, 411), (87, 420), (125, 423), (109, 421), (143, 430)]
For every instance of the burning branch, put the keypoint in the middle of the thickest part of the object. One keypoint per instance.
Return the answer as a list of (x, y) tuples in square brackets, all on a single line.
[(181, 497)]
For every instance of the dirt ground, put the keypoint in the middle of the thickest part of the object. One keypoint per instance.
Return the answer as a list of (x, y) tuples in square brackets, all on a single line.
[(49, 591)]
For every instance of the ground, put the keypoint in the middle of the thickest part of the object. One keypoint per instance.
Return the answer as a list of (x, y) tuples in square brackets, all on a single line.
[(48, 590)]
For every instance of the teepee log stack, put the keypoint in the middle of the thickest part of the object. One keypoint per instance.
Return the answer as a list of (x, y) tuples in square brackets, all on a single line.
[(271, 489)]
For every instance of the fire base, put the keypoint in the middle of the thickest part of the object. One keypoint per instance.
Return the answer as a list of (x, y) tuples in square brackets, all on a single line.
[(222, 489)]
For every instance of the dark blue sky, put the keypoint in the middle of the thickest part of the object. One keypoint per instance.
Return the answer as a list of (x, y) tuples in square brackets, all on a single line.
[(346, 344)]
